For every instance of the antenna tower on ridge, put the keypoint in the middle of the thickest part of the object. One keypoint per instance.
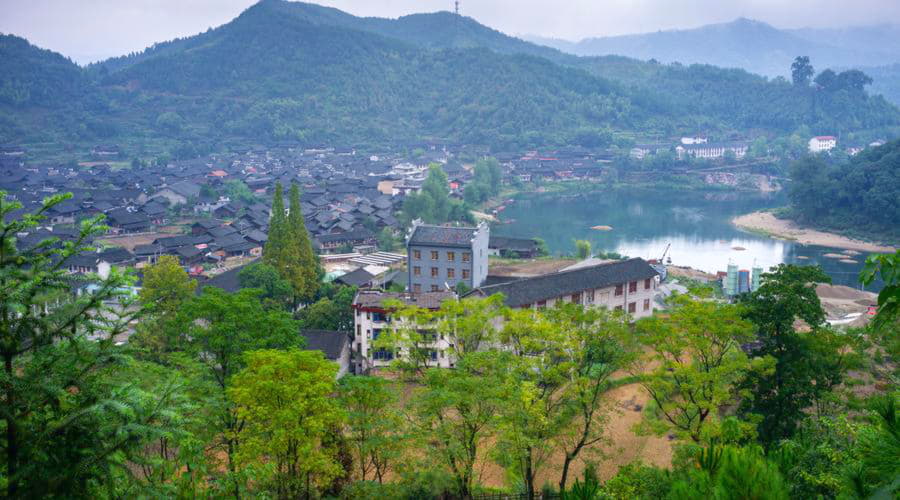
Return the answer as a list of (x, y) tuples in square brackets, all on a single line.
[(456, 3)]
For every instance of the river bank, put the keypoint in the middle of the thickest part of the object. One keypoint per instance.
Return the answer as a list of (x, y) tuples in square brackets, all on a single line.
[(767, 224)]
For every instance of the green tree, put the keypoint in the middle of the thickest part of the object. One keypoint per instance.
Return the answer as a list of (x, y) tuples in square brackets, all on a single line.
[(560, 368), (801, 71), (456, 412), (307, 280), (238, 191), (284, 400), (598, 344), (888, 268), (166, 288), (276, 249), (276, 291), (330, 312), (582, 249), (68, 429), (374, 424), (807, 365), (433, 204), (731, 473), (218, 329), (696, 366)]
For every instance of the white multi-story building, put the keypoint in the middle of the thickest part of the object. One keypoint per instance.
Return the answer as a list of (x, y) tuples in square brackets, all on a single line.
[(822, 143), (628, 285), (694, 140), (712, 151), (372, 319)]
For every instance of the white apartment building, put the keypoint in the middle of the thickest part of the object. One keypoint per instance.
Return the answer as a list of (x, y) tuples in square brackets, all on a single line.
[(822, 143), (372, 319)]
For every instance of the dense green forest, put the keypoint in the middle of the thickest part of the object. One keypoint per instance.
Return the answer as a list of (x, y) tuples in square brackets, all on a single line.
[(295, 72), (860, 195)]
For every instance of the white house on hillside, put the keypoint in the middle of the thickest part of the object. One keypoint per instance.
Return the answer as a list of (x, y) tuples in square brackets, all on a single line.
[(822, 143)]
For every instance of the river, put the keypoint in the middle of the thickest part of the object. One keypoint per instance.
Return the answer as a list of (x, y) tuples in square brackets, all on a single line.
[(697, 224)]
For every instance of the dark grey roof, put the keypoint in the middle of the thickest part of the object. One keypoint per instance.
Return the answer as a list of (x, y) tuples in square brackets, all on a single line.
[(531, 290), (330, 342), (515, 244), (427, 300), (443, 236), (359, 277)]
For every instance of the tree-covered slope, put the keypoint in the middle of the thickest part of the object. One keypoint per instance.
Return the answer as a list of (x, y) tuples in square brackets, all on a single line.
[(285, 71), (860, 196)]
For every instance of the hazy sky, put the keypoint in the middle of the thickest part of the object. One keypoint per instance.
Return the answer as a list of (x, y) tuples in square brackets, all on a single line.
[(88, 30)]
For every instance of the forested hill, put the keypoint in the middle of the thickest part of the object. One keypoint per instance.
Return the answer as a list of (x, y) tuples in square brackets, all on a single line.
[(284, 71), (860, 196)]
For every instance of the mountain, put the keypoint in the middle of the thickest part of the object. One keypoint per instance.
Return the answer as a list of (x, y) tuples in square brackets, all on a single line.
[(287, 71), (751, 45)]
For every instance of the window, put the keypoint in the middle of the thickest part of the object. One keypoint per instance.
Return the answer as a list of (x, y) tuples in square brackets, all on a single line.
[(646, 304), (383, 354), (417, 288), (376, 333), (451, 256), (466, 256), (632, 287), (618, 308), (434, 255), (590, 296), (417, 254), (576, 298), (417, 271), (647, 284), (434, 272), (434, 288), (451, 273), (465, 274), (619, 290), (632, 307), (542, 303), (368, 315), (358, 332)]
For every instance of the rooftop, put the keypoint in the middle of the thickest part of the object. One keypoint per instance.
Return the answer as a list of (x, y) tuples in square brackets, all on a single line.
[(445, 236), (535, 289)]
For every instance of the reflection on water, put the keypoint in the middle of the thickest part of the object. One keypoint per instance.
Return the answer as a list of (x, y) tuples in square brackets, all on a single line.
[(698, 225)]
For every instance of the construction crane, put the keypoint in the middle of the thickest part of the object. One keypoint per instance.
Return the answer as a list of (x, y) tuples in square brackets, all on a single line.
[(661, 259)]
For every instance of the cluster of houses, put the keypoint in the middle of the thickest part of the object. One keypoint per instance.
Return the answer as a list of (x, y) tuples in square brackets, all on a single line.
[(208, 210)]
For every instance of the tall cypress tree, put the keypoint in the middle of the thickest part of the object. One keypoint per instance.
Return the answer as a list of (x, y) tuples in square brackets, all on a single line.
[(274, 252), (306, 275)]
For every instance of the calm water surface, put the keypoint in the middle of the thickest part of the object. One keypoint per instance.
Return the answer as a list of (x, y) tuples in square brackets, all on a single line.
[(644, 221)]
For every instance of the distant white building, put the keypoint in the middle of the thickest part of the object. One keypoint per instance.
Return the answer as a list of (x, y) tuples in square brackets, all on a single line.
[(694, 140), (712, 151), (822, 143)]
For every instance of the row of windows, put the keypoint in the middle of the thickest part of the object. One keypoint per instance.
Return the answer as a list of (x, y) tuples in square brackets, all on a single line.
[(632, 306), (435, 255), (633, 286), (436, 272)]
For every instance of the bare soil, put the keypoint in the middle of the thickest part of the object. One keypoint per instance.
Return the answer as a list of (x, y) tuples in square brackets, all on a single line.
[(530, 267), (784, 229)]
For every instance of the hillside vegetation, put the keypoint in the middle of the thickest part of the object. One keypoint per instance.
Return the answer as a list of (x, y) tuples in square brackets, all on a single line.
[(859, 196), (293, 72)]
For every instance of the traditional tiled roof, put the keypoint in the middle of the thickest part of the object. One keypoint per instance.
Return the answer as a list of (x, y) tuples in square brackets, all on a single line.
[(442, 236), (330, 342), (535, 289), (376, 299)]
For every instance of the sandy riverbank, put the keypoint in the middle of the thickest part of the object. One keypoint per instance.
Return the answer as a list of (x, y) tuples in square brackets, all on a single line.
[(767, 223)]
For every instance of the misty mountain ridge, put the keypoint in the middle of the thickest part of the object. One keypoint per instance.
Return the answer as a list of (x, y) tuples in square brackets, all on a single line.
[(748, 44)]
